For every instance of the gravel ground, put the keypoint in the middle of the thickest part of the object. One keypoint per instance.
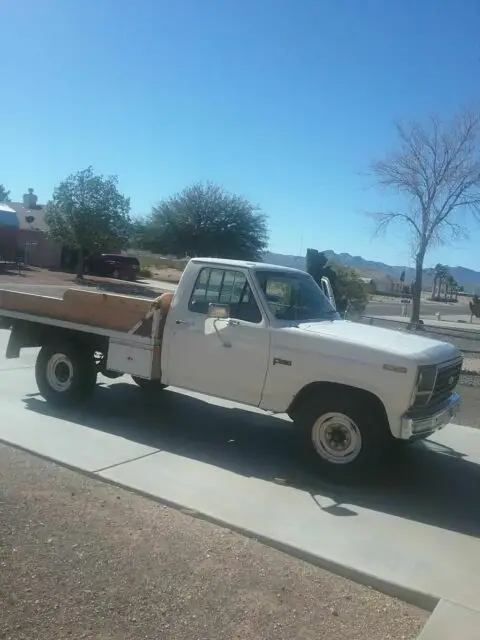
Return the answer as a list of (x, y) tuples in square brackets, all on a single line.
[(83, 559)]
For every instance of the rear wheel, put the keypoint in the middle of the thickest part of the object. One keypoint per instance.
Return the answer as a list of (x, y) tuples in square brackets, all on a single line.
[(149, 386), (345, 435), (66, 373)]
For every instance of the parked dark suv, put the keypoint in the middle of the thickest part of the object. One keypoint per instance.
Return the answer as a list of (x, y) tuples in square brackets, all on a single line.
[(111, 265)]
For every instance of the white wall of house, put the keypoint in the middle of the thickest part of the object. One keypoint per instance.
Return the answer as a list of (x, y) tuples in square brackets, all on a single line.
[(388, 285)]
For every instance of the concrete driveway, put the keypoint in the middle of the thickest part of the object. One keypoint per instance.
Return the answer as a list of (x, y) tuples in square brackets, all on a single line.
[(413, 533)]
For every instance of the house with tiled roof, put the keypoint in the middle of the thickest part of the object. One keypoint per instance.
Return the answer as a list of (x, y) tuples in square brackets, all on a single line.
[(23, 232)]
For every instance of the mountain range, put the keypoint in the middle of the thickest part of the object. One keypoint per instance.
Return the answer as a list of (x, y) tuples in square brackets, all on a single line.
[(469, 278)]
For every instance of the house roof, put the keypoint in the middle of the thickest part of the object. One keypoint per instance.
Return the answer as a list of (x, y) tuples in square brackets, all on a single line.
[(24, 215), (8, 216), (4, 208)]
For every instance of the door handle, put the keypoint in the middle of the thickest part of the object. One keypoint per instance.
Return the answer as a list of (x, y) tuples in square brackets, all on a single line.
[(233, 323), (186, 323)]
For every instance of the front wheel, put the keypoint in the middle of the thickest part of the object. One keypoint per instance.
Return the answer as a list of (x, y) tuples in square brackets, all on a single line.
[(66, 373), (345, 436)]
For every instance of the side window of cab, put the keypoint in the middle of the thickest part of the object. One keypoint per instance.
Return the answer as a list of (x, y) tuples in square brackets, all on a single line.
[(225, 287)]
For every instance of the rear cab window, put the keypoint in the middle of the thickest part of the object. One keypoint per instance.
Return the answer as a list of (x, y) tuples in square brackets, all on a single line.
[(225, 287)]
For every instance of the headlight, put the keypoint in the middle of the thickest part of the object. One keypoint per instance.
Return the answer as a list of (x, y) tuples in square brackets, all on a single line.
[(424, 385), (426, 378)]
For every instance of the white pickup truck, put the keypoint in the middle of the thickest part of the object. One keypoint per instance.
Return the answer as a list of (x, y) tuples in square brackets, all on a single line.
[(268, 337)]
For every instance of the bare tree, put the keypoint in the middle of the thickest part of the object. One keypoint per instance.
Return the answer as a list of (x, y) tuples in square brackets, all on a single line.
[(436, 168)]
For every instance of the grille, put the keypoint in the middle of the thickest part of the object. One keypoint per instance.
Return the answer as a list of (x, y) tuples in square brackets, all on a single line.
[(447, 379)]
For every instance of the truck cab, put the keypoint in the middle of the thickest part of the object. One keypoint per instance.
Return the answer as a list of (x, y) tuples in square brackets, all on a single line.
[(225, 323)]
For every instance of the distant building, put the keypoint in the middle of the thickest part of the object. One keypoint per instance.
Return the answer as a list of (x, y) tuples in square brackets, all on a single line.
[(387, 284), (23, 233), (382, 283), (368, 285)]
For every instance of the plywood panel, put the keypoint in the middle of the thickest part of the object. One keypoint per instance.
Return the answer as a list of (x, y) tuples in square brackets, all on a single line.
[(109, 311), (31, 303), (105, 309)]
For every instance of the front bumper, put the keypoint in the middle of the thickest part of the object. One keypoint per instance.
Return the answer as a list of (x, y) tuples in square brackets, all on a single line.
[(419, 425)]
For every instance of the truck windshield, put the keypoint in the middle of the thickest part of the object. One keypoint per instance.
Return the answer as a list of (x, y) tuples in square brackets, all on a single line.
[(296, 297)]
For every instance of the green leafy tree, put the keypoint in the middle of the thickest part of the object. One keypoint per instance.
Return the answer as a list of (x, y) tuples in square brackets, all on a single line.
[(89, 214), (318, 266), (436, 172), (351, 296), (206, 220), (4, 194), (138, 233), (348, 289)]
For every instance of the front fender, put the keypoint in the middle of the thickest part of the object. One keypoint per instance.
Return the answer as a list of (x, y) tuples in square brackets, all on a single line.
[(393, 389)]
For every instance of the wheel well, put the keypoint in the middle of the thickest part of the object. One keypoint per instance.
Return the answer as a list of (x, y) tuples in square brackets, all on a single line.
[(34, 334), (332, 389), (81, 338)]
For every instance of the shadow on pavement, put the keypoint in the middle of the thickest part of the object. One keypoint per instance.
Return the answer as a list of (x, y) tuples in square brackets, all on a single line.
[(428, 483)]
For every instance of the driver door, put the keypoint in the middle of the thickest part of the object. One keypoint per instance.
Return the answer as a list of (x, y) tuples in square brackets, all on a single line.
[(224, 357)]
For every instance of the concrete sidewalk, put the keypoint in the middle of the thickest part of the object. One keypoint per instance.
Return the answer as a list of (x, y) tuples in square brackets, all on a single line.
[(452, 621)]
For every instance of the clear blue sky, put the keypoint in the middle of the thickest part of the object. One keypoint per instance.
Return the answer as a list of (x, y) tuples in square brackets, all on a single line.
[(283, 101)]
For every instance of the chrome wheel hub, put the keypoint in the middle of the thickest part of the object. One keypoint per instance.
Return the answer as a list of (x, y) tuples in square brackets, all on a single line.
[(336, 438), (59, 372)]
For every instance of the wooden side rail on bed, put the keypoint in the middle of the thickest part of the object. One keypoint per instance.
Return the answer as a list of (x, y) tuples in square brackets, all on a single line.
[(109, 311)]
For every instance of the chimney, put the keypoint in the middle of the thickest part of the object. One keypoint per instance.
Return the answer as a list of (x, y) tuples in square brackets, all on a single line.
[(29, 200)]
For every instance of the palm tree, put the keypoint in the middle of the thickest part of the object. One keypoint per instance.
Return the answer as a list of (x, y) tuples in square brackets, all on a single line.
[(450, 285), (440, 277)]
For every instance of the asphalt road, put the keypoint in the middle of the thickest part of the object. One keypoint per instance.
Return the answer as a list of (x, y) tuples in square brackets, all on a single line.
[(149, 288), (53, 290), (426, 309)]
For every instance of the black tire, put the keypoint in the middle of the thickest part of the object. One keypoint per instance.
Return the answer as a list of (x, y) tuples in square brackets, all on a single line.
[(346, 422), (69, 366), (149, 386)]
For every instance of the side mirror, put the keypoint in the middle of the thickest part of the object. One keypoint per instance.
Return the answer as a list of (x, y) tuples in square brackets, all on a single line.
[(328, 291), (218, 311)]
